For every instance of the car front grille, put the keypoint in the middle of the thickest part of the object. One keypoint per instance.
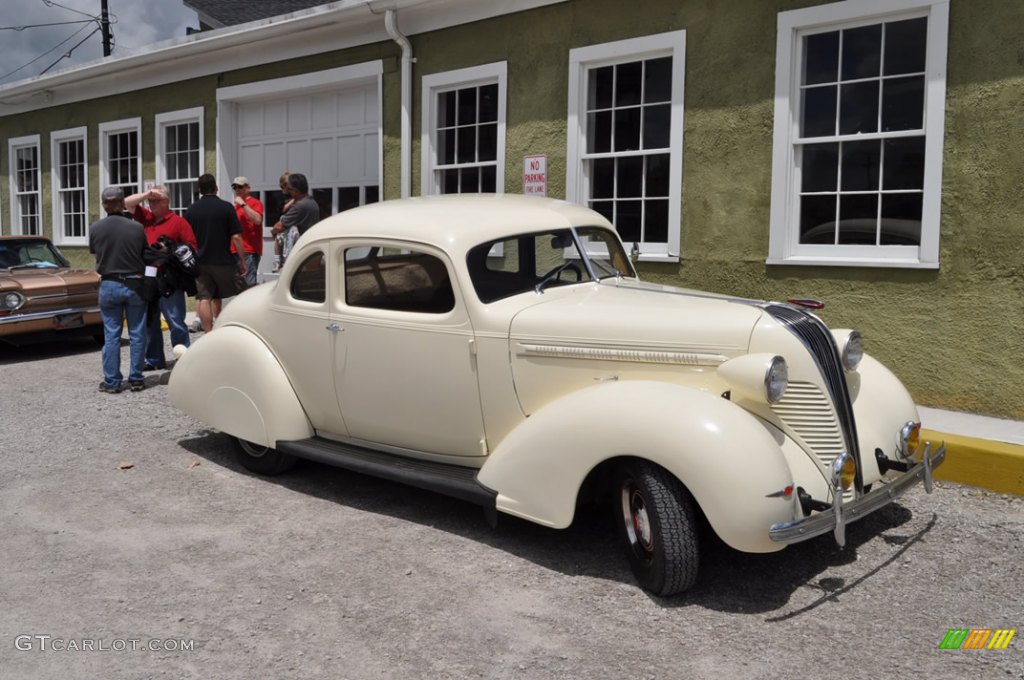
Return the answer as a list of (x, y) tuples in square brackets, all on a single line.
[(808, 414), (818, 340)]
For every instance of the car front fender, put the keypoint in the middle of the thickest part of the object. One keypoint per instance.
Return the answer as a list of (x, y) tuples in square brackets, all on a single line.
[(230, 380), (725, 457)]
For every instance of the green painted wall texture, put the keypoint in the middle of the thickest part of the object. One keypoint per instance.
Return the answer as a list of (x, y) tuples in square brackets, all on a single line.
[(952, 335)]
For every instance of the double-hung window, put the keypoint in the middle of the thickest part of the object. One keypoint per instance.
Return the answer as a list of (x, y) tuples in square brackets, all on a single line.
[(120, 157), (625, 138), (179, 155), (464, 131), (70, 186), (857, 165), (26, 202)]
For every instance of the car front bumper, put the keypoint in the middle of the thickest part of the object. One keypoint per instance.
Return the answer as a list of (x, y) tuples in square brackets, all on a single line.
[(50, 320), (840, 514)]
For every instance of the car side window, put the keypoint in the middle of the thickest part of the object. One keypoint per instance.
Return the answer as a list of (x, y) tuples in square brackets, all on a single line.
[(397, 279), (310, 280)]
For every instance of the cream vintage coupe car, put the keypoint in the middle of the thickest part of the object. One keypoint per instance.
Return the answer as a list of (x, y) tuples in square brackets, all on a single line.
[(502, 350)]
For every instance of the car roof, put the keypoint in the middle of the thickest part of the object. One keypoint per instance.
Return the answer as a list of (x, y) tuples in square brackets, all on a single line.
[(456, 222)]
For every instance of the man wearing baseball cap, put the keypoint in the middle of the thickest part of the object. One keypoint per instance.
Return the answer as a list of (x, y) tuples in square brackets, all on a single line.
[(118, 244), (250, 215)]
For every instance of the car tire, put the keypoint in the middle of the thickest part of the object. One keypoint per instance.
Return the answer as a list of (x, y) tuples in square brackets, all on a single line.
[(655, 517), (263, 460)]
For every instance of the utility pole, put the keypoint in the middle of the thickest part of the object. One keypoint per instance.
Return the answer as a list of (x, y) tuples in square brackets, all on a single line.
[(105, 27)]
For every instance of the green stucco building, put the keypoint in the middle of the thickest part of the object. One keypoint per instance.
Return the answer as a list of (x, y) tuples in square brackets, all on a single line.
[(863, 152)]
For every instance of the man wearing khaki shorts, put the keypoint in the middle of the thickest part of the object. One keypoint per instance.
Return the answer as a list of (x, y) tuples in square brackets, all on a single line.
[(216, 227)]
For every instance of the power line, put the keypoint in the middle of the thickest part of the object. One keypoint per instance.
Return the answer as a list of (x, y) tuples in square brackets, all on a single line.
[(67, 55), (50, 3), (67, 39), (58, 23)]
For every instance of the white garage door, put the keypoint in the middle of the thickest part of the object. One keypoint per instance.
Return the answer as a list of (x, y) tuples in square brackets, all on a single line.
[(330, 136)]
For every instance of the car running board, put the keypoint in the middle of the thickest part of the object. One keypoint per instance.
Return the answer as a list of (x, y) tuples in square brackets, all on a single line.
[(451, 480)]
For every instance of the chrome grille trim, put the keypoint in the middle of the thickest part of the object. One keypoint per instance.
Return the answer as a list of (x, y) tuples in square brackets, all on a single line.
[(818, 340), (808, 414)]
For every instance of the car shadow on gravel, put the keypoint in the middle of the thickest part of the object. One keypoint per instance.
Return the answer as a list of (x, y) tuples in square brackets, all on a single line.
[(47, 349), (730, 581)]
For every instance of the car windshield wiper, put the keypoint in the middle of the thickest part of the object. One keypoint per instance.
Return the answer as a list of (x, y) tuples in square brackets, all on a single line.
[(552, 275)]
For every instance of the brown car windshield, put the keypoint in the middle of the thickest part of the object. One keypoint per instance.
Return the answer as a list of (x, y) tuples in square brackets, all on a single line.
[(29, 254), (533, 262)]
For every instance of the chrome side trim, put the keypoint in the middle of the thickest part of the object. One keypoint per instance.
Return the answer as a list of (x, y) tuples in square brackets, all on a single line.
[(621, 354), (829, 520), (19, 318)]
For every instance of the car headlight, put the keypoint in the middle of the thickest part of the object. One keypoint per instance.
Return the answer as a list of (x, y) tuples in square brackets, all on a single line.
[(844, 471), (776, 380), (756, 377), (853, 350), (12, 301), (909, 441)]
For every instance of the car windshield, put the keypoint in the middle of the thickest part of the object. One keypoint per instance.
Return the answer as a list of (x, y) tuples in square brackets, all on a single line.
[(534, 262), (30, 254)]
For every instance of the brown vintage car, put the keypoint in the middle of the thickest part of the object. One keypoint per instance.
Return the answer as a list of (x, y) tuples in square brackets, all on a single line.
[(42, 295)]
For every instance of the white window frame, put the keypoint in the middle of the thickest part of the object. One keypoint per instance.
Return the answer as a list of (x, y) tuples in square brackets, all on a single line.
[(784, 246), (435, 84), (670, 44), (112, 128), (56, 139), (13, 145), (162, 121)]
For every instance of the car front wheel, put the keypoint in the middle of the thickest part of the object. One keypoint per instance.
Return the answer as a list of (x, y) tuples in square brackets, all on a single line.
[(656, 521), (263, 459)]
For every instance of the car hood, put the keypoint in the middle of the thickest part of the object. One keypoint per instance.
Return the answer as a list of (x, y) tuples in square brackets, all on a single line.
[(639, 315), (49, 281)]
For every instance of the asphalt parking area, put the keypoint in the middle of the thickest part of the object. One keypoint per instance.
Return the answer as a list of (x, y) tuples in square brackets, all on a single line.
[(125, 520)]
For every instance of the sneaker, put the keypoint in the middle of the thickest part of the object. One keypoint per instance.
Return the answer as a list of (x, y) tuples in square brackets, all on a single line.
[(104, 387), (196, 327), (137, 385), (146, 367)]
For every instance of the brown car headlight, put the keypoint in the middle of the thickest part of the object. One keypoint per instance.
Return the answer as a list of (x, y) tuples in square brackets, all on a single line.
[(11, 301)]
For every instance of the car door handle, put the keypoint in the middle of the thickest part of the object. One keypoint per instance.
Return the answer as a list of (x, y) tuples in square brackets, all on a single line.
[(334, 327)]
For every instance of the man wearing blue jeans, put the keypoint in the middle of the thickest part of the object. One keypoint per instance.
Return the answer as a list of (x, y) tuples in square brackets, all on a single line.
[(118, 244)]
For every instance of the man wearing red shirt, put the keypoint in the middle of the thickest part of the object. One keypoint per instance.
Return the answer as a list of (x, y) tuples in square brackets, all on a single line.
[(158, 221), (250, 215)]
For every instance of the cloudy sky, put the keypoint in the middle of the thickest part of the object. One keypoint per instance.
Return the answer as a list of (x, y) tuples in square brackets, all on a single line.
[(138, 23)]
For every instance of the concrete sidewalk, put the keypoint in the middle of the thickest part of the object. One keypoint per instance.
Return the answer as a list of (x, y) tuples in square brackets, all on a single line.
[(981, 451)]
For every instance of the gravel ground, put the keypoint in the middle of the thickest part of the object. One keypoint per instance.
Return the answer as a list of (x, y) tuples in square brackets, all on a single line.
[(326, 573)]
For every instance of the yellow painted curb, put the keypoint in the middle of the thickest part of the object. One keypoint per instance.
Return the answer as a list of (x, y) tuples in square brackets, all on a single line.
[(980, 462)]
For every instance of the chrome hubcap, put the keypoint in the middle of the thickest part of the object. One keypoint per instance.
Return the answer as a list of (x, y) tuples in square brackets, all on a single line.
[(252, 449), (637, 521)]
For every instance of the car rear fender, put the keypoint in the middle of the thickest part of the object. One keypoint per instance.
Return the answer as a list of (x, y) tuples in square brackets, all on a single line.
[(230, 380), (727, 458)]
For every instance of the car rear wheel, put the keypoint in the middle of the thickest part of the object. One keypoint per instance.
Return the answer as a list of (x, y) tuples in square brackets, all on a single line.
[(655, 518), (263, 459)]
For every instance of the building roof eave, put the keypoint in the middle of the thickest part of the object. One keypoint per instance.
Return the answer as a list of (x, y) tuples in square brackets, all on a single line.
[(338, 25)]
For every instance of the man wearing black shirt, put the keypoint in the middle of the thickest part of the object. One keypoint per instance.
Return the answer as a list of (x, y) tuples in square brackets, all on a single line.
[(216, 226), (118, 244)]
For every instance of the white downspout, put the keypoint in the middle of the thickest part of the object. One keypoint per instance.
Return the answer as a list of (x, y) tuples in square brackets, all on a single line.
[(391, 24)]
